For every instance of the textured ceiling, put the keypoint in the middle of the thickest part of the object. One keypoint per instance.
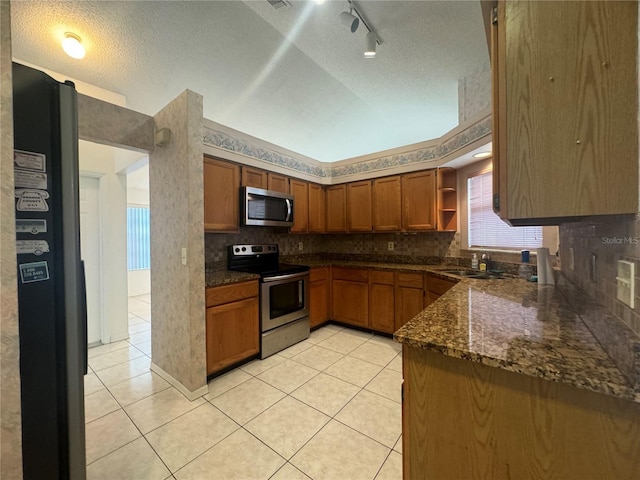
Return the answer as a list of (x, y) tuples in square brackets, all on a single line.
[(292, 76)]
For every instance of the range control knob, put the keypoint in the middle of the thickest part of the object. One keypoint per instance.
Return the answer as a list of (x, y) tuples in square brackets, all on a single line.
[(237, 250), (244, 249)]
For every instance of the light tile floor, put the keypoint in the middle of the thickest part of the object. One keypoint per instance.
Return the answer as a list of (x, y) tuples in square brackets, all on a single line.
[(325, 408)]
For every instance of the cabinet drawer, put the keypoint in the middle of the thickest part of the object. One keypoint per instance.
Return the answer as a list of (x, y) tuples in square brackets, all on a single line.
[(351, 274), (379, 276), (231, 293), (406, 279), (320, 273), (438, 285)]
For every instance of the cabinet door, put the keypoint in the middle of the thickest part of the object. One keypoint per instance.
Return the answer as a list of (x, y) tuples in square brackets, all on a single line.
[(359, 217), (317, 209), (409, 302), (221, 196), (567, 110), (336, 209), (318, 302), (300, 206), (254, 177), (419, 200), (232, 333), (387, 206), (277, 183), (350, 302), (382, 307)]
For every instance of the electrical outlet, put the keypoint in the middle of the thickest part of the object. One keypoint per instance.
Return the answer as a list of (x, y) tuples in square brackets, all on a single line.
[(184, 256), (300, 246), (572, 258), (626, 282), (390, 246)]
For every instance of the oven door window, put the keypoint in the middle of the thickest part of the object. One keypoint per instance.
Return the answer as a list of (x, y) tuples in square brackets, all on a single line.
[(285, 298)]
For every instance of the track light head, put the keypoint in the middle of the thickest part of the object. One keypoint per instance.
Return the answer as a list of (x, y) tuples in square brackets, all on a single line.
[(350, 21), (370, 50)]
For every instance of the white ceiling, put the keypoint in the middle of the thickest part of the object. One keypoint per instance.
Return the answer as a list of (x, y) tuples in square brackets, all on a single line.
[(292, 76)]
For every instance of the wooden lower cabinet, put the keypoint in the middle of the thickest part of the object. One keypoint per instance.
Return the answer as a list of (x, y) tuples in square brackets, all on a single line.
[(382, 301), (466, 420), (319, 296), (233, 329), (409, 297), (350, 296), (435, 287)]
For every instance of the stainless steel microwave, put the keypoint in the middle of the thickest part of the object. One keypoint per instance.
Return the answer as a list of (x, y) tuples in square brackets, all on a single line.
[(265, 207)]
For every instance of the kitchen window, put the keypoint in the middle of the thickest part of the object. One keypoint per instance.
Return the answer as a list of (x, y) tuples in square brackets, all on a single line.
[(138, 250), (485, 229)]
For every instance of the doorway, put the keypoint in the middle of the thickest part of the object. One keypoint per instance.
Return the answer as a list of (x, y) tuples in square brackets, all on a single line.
[(90, 250), (138, 256)]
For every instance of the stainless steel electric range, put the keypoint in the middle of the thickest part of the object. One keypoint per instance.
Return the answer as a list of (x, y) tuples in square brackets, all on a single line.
[(284, 295)]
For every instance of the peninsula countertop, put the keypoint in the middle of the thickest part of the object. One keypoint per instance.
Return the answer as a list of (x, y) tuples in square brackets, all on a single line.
[(520, 327)]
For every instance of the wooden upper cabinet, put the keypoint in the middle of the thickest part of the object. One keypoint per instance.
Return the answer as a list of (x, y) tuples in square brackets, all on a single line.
[(317, 209), (565, 100), (359, 218), (299, 190), (336, 209), (221, 197), (254, 177), (387, 205), (277, 183), (419, 200)]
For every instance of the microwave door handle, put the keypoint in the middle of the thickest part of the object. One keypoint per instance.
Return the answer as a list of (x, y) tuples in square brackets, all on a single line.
[(288, 202)]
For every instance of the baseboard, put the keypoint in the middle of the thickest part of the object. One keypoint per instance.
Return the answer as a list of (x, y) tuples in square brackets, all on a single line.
[(191, 395)]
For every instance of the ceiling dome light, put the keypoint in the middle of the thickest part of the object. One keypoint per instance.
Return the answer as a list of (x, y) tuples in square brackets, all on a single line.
[(350, 21), (370, 51), (482, 155), (72, 45)]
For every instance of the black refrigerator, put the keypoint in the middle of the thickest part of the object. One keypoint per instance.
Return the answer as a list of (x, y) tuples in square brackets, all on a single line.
[(51, 292)]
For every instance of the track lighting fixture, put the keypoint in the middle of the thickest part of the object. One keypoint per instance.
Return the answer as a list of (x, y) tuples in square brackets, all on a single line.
[(349, 20), (370, 50)]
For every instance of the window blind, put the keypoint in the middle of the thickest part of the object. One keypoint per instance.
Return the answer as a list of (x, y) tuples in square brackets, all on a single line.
[(485, 228), (138, 250)]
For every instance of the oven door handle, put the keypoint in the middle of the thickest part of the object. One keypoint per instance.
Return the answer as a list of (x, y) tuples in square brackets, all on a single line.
[(285, 277)]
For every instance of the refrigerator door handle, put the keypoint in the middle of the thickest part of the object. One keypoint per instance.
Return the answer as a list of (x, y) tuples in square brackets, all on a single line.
[(83, 319)]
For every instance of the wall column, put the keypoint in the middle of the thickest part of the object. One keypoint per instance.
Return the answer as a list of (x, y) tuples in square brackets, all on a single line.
[(177, 221)]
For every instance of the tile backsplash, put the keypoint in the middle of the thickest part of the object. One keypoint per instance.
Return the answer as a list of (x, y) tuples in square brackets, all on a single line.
[(434, 245), (610, 238)]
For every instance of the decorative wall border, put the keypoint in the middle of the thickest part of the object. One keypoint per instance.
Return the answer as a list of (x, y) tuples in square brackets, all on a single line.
[(431, 152)]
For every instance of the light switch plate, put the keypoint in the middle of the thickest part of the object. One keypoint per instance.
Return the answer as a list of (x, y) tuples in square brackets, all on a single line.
[(184, 256), (626, 282)]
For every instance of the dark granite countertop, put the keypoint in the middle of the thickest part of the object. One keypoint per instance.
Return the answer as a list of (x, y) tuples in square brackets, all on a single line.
[(508, 323), (521, 327), (223, 277)]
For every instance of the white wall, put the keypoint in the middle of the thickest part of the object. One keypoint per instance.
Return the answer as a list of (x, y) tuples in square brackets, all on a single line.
[(100, 161)]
